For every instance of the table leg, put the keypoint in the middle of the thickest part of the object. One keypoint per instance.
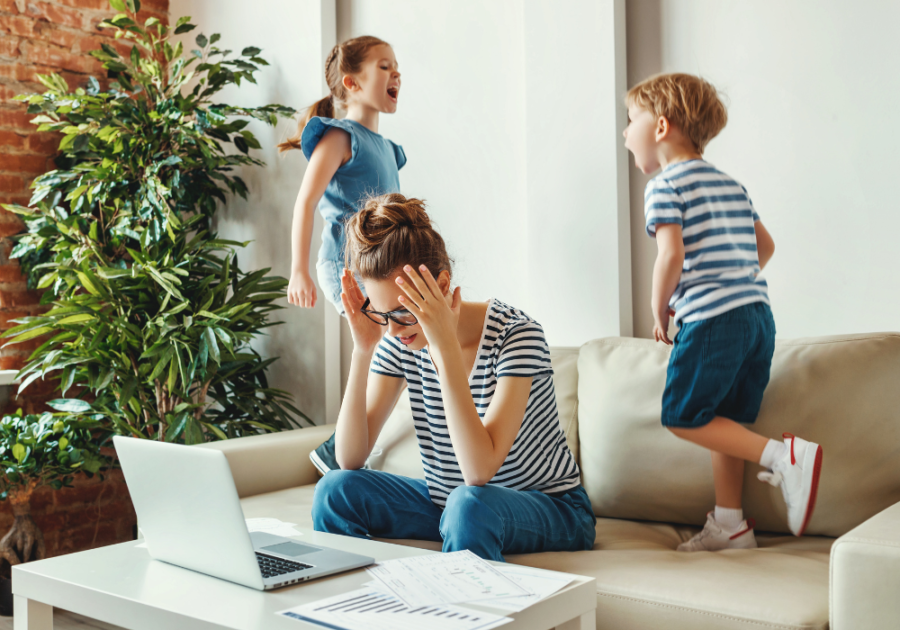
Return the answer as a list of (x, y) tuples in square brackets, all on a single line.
[(587, 621), (29, 614)]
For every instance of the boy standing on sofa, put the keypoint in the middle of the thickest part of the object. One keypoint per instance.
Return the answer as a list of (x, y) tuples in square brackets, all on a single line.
[(712, 247)]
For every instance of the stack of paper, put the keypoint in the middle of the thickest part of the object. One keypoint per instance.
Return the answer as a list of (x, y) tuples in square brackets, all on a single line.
[(371, 609), (409, 591)]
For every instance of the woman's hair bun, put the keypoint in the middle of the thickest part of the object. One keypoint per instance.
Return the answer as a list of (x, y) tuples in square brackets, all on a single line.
[(389, 229)]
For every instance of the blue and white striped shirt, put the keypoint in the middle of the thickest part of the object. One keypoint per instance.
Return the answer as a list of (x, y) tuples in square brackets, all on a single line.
[(721, 264), (512, 344)]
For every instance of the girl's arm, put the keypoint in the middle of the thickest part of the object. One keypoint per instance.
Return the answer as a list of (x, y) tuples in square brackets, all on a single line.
[(765, 244), (369, 398), (666, 274), (330, 153)]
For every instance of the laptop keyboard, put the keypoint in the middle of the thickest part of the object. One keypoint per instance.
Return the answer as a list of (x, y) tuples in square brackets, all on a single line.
[(272, 566)]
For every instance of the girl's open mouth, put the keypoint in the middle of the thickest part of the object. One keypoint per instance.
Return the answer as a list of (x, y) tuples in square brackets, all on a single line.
[(408, 340), (393, 92)]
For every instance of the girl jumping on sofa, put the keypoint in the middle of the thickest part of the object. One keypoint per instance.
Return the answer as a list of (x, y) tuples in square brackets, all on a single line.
[(348, 160), (499, 477)]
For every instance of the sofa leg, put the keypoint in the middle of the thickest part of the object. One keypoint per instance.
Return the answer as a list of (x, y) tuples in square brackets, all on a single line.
[(587, 621)]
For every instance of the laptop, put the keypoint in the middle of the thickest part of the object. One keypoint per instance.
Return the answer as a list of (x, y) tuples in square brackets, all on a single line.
[(188, 510)]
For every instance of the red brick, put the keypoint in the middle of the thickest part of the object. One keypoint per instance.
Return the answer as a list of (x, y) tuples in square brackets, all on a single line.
[(23, 163), (12, 184), (160, 6), (56, 14), (9, 47), (77, 42), (16, 118), (86, 4), (21, 26), (12, 140), (45, 143), (56, 57), (8, 315), (10, 273), (18, 297), (9, 6)]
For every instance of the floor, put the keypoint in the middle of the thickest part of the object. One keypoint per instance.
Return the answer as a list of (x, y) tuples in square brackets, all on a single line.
[(63, 620)]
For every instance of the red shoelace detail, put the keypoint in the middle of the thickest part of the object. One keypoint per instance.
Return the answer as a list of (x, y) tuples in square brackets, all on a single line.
[(751, 524), (786, 436)]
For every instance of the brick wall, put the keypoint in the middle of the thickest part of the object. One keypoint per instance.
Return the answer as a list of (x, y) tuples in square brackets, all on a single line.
[(40, 37)]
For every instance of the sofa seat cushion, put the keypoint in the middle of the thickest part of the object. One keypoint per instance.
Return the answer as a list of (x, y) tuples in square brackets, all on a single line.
[(642, 582)]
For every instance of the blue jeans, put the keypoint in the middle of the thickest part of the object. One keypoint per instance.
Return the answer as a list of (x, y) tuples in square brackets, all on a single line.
[(487, 520)]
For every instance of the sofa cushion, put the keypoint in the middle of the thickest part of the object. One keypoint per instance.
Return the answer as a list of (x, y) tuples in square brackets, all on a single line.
[(397, 451), (642, 582), (841, 392)]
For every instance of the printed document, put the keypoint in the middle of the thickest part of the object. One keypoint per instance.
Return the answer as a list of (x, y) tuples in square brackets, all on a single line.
[(371, 609), (540, 582), (445, 578)]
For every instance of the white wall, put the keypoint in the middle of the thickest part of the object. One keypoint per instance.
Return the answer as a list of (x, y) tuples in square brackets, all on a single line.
[(292, 37), (507, 115), (813, 87)]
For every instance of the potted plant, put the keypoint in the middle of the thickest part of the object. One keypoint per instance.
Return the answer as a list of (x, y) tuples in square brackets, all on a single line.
[(150, 313), (45, 450)]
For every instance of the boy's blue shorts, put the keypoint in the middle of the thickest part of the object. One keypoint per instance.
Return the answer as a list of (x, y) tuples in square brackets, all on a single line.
[(720, 367)]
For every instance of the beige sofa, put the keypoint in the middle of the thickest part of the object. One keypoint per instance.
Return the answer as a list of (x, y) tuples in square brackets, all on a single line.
[(651, 491)]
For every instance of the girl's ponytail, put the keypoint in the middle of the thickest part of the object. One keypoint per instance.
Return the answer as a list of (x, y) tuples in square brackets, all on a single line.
[(345, 58)]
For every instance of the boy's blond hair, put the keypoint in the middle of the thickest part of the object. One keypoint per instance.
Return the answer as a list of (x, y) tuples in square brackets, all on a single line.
[(689, 102)]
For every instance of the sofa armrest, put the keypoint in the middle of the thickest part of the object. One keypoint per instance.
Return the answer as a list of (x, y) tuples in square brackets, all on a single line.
[(273, 461), (865, 574)]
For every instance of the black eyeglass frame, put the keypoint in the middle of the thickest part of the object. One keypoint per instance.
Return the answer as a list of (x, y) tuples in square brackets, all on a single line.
[(387, 316)]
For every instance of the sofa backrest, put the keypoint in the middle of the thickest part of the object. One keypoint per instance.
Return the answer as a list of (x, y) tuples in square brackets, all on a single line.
[(842, 392), (396, 450)]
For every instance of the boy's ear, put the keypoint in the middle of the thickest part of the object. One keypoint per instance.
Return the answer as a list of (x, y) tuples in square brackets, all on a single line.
[(663, 127)]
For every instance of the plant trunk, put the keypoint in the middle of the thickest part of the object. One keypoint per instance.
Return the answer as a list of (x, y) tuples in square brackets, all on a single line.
[(24, 541)]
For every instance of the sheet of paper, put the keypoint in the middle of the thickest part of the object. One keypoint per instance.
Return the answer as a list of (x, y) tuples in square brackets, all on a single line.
[(371, 609), (272, 526), (444, 578), (540, 582)]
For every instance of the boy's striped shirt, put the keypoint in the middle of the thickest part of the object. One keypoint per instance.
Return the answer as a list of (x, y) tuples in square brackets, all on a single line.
[(512, 344), (721, 263)]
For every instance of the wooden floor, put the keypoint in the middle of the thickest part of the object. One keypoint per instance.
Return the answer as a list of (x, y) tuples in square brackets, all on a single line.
[(63, 620)]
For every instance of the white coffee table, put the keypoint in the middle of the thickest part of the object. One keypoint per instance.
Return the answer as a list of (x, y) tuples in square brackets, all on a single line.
[(122, 585)]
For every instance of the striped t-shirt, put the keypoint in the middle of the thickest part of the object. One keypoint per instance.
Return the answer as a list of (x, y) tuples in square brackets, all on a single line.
[(512, 344), (721, 264)]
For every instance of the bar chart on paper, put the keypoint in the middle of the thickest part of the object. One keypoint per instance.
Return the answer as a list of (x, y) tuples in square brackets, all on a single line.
[(370, 609)]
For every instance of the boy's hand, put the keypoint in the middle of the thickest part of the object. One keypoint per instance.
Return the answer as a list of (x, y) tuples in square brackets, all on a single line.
[(661, 326)]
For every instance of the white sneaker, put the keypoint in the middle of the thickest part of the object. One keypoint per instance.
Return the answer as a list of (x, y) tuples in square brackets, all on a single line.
[(715, 537), (798, 475)]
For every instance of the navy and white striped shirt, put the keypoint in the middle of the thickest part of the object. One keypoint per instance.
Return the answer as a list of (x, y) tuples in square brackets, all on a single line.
[(512, 344), (721, 264)]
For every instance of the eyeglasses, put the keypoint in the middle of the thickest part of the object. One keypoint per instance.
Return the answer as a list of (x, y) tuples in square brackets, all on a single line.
[(402, 317)]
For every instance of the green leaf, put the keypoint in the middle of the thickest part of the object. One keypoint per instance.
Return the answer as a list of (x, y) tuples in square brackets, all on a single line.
[(210, 338), (75, 319), (36, 332), (70, 405), (63, 443), (184, 28), (19, 451), (251, 51), (201, 40)]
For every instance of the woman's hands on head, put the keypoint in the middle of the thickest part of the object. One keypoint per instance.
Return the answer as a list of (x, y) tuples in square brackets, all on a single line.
[(366, 333), (438, 314)]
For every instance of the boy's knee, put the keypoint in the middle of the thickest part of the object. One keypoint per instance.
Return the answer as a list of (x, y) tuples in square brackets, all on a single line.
[(335, 488)]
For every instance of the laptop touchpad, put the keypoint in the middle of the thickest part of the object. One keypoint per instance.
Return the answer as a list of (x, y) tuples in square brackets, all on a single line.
[(291, 549)]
